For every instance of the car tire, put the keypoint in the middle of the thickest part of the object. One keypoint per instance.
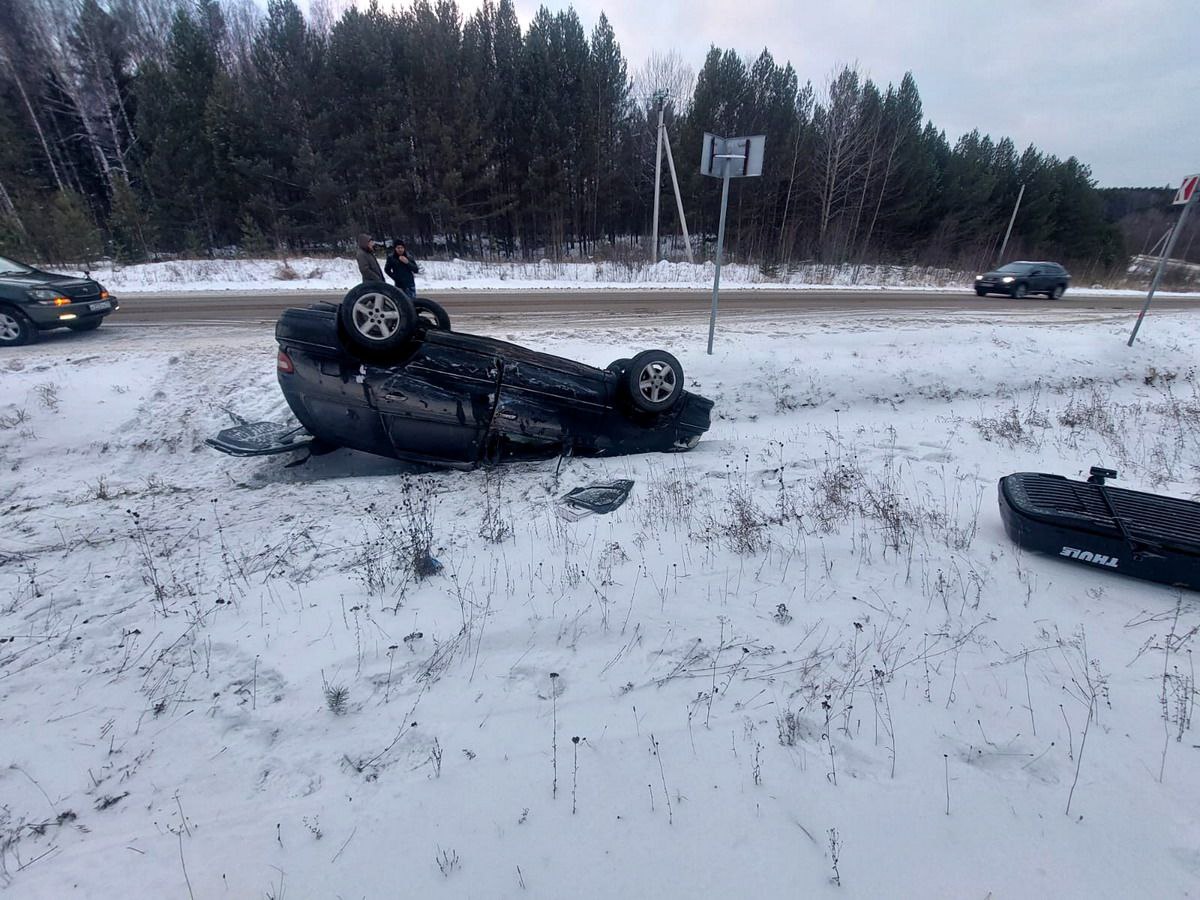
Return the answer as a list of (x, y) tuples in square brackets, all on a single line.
[(618, 366), (1058, 291), (86, 325), (1019, 292), (377, 317), (431, 314), (979, 292), (15, 329), (654, 381)]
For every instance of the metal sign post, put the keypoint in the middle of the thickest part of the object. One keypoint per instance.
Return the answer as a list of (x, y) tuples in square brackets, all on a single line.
[(712, 319), (1187, 194), (725, 158)]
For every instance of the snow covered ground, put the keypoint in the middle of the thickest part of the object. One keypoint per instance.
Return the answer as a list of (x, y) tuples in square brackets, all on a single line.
[(802, 660), (310, 273)]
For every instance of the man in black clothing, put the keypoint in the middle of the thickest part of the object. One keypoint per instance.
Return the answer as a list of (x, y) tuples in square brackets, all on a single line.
[(402, 267), (368, 265)]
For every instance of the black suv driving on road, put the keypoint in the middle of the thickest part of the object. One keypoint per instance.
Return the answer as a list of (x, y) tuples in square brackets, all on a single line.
[(32, 300), (1018, 279)]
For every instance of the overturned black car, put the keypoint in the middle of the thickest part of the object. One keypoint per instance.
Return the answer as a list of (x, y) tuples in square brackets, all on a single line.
[(385, 374)]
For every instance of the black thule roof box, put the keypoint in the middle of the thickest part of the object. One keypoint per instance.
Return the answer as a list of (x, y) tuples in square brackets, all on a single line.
[(1142, 535)]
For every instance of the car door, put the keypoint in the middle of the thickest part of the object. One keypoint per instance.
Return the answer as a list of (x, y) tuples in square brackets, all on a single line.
[(548, 399), (439, 403)]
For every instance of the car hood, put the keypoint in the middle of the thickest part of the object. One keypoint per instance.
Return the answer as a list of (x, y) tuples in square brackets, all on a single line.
[(37, 278), (69, 285)]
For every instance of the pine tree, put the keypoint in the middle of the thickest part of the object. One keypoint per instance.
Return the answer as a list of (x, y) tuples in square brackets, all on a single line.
[(130, 230)]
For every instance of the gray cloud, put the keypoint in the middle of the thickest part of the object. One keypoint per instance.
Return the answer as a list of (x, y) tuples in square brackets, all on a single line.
[(1109, 81)]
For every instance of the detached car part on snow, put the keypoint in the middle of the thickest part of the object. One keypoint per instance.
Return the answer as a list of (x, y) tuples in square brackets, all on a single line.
[(1142, 535), (385, 374)]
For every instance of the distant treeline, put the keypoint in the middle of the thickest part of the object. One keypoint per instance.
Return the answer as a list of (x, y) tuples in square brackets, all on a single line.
[(137, 127)]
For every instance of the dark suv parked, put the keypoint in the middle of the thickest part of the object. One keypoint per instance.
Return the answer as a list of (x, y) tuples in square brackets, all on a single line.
[(32, 300), (1020, 278)]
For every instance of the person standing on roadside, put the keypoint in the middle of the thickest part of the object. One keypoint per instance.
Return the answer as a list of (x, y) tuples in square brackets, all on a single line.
[(368, 265), (402, 267)]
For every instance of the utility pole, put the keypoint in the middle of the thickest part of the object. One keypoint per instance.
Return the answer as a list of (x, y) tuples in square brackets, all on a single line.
[(687, 241), (665, 139), (661, 98), (1000, 259)]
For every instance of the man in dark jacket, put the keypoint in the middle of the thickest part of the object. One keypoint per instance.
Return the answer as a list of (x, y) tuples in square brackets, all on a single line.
[(402, 267), (368, 265)]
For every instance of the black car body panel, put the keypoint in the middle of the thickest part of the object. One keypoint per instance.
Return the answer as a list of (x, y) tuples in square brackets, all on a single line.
[(1142, 535), (1033, 277), (88, 302), (461, 399)]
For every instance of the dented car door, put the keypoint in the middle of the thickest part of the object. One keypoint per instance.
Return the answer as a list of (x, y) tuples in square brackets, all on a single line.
[(437, 404)]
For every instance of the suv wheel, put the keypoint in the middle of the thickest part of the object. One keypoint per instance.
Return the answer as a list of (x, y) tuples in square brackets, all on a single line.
[(377, 317), (1057, 292), (654, 380), (1019, 291), (15, 329), (431, 314)]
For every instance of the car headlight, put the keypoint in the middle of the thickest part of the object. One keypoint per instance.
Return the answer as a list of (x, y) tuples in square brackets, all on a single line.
[(979, 278), (48, 298), (1006, 279)]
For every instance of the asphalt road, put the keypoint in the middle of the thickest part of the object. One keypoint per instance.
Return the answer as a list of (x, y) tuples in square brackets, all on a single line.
[(225, 308)]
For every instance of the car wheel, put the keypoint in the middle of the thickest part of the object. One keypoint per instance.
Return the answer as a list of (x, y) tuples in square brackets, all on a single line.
[(618, 366), (980, 292), (15, 329), (431, 314), (86, 325), (377, 317), (1019, 292), (654, 380), (1057, 292)]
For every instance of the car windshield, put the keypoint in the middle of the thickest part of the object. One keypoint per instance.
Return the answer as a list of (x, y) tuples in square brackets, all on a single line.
[(9, 267), (1015, 268)]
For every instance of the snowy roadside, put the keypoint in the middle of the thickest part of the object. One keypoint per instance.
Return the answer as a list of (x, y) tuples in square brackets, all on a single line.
[(803, 654), (324, 274)]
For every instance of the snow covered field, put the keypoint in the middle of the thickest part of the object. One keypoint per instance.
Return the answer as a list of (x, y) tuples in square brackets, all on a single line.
[(802, 660), (310, 273)]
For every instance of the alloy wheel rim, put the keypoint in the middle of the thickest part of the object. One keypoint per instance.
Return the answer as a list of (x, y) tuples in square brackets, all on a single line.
[(656, 381), (10, 328), (376, 317)]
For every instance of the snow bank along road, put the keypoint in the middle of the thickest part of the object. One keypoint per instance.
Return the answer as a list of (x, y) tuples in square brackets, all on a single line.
[(613, 307)]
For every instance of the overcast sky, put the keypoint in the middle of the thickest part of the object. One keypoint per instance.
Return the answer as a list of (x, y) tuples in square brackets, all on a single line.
[(1113, 82)]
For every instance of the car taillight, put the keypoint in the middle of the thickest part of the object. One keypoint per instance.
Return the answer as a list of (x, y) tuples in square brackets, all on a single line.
[(283, 363)]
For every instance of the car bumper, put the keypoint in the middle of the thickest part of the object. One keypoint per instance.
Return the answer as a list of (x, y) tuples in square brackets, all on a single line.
[(45, 317)]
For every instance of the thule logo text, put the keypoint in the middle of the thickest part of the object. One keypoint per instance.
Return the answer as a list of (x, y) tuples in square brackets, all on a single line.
[(1097, 559)]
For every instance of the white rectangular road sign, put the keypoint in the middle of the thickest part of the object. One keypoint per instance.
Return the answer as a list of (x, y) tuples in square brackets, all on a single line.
[(744, 156), (1190, 185)]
